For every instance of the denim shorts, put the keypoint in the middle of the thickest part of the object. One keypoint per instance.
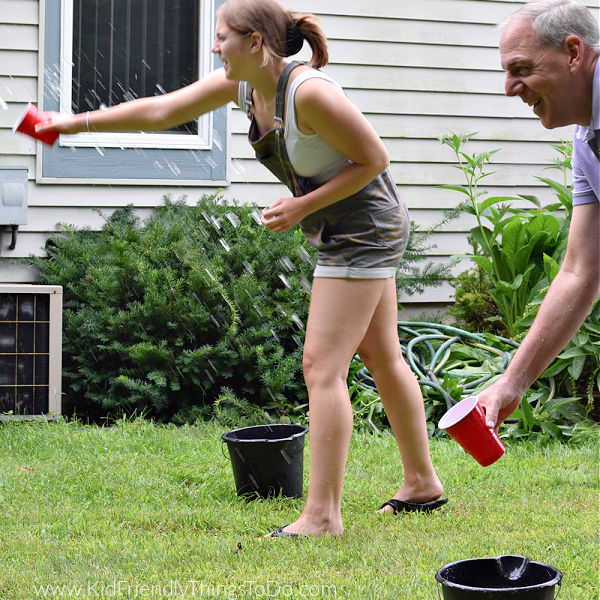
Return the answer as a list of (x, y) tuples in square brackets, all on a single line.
[(363, 236)]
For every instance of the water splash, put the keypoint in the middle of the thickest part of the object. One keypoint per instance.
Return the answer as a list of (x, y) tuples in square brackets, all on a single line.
[(257, 216), (287, 263), (306, 285), (303, 254), (233, 219), (248, 267)]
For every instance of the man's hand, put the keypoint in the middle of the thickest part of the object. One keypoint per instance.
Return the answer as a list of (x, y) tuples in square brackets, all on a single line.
[(499, 401)]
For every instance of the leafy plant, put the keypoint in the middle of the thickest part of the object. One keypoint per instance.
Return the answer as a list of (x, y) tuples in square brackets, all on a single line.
[(508, 244), (163, 316), (540, 235)]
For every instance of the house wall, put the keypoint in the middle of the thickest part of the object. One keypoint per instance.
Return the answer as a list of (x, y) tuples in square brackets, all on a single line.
[(417, 70)]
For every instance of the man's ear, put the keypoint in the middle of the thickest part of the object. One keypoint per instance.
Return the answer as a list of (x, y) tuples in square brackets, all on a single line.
[(574, 47)]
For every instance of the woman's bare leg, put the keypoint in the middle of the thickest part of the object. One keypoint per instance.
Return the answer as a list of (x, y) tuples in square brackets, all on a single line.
[(402, 399), (340, 312)]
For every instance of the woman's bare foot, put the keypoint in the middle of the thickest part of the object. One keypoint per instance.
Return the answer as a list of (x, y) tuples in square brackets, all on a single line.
[(311, 528)]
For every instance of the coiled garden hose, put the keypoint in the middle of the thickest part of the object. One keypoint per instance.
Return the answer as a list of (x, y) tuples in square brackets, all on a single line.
[(430, 347)]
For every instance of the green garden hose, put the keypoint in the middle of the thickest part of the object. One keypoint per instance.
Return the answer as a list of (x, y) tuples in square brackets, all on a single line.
[(429, 348)]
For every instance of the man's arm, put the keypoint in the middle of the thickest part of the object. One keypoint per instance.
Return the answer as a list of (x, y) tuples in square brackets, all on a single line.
[(567, 303)]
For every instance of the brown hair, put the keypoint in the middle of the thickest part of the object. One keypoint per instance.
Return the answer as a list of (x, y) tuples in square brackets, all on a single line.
[(273, 21)]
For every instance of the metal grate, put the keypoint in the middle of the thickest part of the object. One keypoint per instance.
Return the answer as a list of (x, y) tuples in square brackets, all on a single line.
[(29, 325)]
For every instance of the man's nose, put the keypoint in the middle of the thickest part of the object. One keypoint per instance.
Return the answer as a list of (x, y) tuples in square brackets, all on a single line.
[(512, 85)]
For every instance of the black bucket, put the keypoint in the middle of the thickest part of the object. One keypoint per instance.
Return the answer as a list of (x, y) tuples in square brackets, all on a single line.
[(267, 460), (501, 578)]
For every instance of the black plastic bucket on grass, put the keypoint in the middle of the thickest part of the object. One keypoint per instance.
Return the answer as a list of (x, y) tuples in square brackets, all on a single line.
[(267, 460), (501, 578)]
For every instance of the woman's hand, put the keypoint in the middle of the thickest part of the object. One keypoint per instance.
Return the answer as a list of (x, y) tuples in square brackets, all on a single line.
[(283, 214), (61, 123)]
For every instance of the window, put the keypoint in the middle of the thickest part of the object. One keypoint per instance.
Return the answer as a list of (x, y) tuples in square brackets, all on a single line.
[(98, 53)]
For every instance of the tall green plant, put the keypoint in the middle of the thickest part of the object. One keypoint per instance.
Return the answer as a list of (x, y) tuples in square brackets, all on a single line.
[(508, 244)]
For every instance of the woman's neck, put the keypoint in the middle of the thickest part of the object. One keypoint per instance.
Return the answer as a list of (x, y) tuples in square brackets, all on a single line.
[(265, 79)]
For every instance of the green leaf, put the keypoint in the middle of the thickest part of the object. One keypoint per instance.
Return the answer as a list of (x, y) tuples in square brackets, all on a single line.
[(494, 200), (527, 414), (509, 287), (576, 367), (456, 188)]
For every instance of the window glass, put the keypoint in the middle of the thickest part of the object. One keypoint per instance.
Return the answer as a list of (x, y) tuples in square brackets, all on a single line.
[(126, 49)]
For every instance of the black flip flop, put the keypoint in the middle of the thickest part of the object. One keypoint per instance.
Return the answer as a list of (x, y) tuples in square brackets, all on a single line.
[(280, 533), (426, 507)]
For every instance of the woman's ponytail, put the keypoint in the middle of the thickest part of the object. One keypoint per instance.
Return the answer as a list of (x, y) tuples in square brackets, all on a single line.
[(311, 31)]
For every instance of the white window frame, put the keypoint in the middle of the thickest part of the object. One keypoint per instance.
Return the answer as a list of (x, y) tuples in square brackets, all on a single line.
[(202, 140)]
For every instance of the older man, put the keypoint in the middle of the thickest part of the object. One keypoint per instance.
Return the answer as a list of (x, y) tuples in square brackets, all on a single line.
[(549, 50)]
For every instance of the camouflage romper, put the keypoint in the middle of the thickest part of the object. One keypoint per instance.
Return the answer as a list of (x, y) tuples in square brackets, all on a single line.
[(360, 237)]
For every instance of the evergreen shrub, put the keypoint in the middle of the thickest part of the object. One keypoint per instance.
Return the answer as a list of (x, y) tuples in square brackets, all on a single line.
[(166, 316)]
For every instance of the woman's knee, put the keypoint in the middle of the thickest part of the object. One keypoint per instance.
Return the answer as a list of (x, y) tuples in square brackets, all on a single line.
[(321, 369), (381, 359)]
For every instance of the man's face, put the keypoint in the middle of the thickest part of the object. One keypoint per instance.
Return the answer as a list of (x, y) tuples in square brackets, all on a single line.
[(539, 76)]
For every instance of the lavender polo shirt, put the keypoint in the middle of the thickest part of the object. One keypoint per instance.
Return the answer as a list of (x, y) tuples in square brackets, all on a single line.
[(586, 165)]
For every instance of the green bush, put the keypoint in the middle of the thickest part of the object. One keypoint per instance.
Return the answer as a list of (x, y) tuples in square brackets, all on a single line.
[(163, 317)]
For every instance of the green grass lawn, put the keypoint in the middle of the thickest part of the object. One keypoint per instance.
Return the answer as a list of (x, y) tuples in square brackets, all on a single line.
[(143, 511)]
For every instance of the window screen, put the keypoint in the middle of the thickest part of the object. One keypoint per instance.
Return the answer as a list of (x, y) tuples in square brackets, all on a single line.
[(126, 49)]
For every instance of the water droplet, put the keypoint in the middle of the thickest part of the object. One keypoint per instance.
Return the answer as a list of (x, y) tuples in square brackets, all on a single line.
[(285, 280), (303, 254), (287, 263), (224, 244), (233, 219), (306, 285), (217, 141), (257, 216), (298, 321)]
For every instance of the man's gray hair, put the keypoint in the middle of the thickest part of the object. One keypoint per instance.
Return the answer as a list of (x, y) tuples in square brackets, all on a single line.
[(554, 20)]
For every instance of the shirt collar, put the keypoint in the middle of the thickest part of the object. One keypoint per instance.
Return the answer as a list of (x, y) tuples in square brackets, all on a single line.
[(595, 122)]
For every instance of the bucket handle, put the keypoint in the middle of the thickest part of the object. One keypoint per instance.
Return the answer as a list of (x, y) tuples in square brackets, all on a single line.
[(559, 588), (223, 451)]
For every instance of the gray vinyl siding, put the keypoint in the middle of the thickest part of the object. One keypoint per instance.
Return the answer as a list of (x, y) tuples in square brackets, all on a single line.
[(417, 70)]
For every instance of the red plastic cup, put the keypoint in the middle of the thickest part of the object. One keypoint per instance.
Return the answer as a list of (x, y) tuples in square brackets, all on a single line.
[(27, 122), (465, 423)]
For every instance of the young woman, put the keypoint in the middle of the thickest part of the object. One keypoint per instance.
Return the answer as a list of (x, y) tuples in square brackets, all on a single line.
[(305, 130)]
